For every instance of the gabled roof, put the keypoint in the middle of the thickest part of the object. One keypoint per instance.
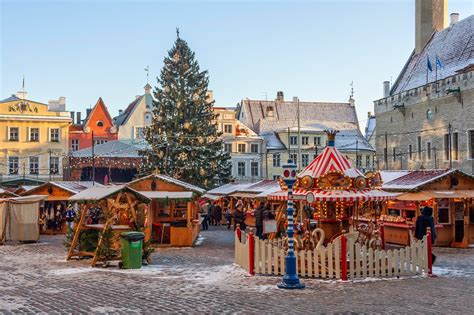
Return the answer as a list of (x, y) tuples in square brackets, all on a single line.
[(99, 103), (123, 118), (97, 193), (416, 180), (255, 114), (14, 98), (114, 149), (171, 180), (228, 189), (454, 46), (71, 186), (260, 186)]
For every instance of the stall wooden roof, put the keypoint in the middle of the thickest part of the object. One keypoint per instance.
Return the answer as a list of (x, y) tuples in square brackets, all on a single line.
[(61, 190)]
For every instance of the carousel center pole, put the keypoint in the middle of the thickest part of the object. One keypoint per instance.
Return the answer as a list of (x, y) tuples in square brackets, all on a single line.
[(290, 279)]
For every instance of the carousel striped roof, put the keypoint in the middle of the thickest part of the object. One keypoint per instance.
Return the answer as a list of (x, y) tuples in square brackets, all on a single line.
[(333, 195), (330, 159)]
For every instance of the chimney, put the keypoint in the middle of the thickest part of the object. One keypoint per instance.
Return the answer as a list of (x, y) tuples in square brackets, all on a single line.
[(62, 100), (88, 112), (369, 115), (21, 94), (280, 96), (120, 112), (78, 117), (454, 18), (72, 117), (430, 16), (386, 89)]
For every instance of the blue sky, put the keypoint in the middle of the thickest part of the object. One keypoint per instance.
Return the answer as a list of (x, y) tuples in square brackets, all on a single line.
[(311, 49)]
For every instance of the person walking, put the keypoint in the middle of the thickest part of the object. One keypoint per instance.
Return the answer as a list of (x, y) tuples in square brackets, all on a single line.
[(259, 212), (239, 218), (423, 222), (210, 214), (228, 217)]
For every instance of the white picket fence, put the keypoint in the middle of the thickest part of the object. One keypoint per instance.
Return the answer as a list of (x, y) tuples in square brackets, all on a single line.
[(327, 262)]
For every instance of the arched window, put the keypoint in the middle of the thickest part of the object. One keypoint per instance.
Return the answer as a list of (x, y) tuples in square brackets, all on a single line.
[(100, 123)]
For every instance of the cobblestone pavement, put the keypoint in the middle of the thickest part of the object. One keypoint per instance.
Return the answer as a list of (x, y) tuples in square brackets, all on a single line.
[(36, 278)]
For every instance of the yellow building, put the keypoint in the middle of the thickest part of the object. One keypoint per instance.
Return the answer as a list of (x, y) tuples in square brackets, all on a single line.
[(33, 140)]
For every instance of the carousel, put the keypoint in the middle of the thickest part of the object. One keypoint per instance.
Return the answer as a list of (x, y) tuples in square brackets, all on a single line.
[(330, 195)]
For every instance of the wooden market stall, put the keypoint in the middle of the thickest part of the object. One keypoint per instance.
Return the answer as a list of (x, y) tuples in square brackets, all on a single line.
[(52, 218), (449, 192), (107, 209), (174, 210), (7, 194)]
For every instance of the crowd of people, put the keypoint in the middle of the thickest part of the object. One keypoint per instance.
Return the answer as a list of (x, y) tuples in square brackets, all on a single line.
[(212, 214)]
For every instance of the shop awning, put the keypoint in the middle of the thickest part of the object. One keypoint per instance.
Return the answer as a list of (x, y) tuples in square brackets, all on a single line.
[(167, 194), (414, 196), (333, 195), (439, 194), (243, 195), (266, 193), (211, 196)]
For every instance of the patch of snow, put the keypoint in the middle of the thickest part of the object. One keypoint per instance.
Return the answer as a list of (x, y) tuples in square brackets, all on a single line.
[(199, 240), (447, 272), (70, 271)]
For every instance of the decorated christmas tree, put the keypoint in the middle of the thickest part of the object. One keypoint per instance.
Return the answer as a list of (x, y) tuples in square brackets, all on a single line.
[(183, 137)]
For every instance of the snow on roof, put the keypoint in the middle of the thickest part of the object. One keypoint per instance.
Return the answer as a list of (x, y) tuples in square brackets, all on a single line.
[(260, 186), (388, 176), (417, 179), (75, 186), (264, 194), (97, 193), (115, 149), (454, 46), (351, 140), (258, 113), (272, 141), (228, 188), (171, 180), (370, 127)]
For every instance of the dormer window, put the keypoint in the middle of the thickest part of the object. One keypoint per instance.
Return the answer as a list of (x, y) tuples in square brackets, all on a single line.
[(269, 111), (147, 118), (100, 123)]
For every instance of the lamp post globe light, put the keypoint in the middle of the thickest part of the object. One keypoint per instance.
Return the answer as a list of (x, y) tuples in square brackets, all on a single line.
[(290, 279)]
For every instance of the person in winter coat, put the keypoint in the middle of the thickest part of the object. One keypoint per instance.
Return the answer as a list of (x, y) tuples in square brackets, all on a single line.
[(259, 213), (217, 214), (239, 218), (228, 217), (423, 222), (210, 214)]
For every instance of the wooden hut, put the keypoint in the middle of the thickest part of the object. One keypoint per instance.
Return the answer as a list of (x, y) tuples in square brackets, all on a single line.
[(449, 192), (173, 219), (53, 209), (7, 194)]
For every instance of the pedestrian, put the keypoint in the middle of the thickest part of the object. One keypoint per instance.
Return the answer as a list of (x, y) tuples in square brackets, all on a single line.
[(70, 216), (228, 217), (259, 219), (210, 214), (239, 218), (204, 223), (423, 222), (217, 214)]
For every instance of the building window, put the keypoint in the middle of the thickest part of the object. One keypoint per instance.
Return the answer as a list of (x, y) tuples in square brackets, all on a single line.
[(304, 160), (74, 144), (276, 160), (14, 134), (241, 147), (455, 146), (228, 147), (241, 169), (139, 133), (428, 150), (367, 161), (54, 165), (358, 161), (293, 140), (227, 128), (99, 141), (54, 135), (471, 144), (317, 141), (305, 140), (254, 147), (13, 165), (419, 148), (254, 169), (147, 119), (410, 152), (100, 123), (446, 146), (394, 154), (34, 134), (294, 157), (34, 165)]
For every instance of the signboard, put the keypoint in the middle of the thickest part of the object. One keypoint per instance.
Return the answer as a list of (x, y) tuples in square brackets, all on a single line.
[(269, 226), (334, 180)]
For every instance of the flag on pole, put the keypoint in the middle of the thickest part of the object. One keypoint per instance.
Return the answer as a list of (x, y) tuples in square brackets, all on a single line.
[(439, 63), (428, 64)]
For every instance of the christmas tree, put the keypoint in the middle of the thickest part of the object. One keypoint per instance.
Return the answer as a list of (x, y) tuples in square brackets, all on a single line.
[(183, 137)]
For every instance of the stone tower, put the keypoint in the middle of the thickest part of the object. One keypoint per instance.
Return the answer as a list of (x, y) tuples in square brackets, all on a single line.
[(431, 15)]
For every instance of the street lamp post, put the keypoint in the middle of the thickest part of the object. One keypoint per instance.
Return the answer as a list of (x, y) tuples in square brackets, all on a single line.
[(290, 279)]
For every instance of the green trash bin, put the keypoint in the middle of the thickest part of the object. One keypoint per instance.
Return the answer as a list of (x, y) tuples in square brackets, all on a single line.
[(132, 243)]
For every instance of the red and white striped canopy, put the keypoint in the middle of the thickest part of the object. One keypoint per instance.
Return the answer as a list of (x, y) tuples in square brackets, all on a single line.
[(333, 195), (330, 159)]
